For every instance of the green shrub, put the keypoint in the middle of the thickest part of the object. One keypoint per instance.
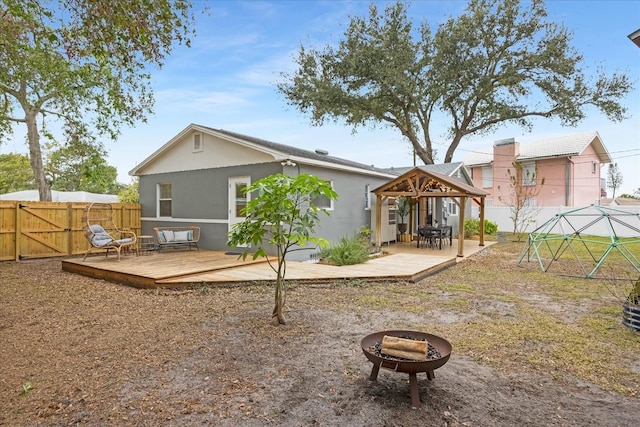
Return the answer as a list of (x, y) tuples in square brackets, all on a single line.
[(472, 227), (348, 250), (490, 227)]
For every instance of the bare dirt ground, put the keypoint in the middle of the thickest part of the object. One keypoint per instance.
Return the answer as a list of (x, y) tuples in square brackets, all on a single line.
[(79, 351)]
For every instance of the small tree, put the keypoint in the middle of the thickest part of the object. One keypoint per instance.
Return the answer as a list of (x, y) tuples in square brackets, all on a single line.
[(282, 214), (614, 178), (403, 205), (523, 189)]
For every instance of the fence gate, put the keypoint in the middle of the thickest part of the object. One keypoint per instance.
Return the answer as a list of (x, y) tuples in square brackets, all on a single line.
[(42, 230), (50, 229)]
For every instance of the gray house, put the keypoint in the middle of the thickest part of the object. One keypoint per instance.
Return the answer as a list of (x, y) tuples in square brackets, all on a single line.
[(198, 176)]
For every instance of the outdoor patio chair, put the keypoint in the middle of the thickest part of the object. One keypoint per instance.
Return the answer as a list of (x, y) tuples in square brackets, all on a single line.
[(102, 233)]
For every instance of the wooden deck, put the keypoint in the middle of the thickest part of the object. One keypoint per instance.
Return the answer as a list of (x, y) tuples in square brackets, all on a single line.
[(184, 268)]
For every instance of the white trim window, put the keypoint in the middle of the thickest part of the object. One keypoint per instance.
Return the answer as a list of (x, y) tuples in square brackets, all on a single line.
[(165, 201), (487, 177), (529, 174), (392, 211), (197, 143), (452, 208), (323, 202)]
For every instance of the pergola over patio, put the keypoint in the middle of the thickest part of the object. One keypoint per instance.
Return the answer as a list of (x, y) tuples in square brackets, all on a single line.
[(420, 184)]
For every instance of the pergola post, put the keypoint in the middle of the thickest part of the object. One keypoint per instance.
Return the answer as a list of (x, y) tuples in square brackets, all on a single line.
[(378, 221), (482, 221), (463, 205)]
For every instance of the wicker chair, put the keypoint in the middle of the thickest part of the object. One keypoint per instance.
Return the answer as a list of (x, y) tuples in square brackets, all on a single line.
[(101, 231)]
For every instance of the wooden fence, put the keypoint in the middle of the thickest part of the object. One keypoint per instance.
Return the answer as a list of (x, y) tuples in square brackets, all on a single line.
[(52, 229)]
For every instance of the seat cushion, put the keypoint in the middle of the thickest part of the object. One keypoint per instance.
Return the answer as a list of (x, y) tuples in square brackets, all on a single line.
[(96, 228)]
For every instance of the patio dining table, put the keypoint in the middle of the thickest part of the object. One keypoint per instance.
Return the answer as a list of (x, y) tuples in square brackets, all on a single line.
[(430, 235)]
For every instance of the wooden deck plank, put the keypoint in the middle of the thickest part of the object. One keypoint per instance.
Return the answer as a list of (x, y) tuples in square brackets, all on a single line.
[(179, 269)]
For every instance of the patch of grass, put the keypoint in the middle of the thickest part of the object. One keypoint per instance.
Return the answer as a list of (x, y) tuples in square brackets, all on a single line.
[(457, 287), (585, 349), (376, 302), (458, 304)]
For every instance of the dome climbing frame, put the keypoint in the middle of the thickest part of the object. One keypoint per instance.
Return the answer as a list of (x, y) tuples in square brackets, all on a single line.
[(589, 235)]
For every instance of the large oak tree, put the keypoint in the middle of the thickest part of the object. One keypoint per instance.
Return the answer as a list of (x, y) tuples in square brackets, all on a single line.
[(499, 62), (83, 63)]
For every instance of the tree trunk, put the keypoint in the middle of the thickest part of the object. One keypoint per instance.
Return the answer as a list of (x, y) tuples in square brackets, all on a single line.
[(278, 310), (35, 156)]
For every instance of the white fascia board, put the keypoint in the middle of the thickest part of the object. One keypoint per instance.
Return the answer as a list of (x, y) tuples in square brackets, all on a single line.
[(161, 150), (330, 165)]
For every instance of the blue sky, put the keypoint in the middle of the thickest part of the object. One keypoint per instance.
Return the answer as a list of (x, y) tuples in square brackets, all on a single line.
[(227, 80)]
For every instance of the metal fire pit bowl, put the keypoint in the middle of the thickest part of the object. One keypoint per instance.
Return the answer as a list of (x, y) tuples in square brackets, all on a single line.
[(411, 367)]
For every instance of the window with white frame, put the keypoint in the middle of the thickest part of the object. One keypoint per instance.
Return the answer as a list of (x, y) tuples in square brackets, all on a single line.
[(452, 208), (323, 202), (487, 177), (594, 167), (529, 174), (164, 200), (367, 196), (197, 142), (392, 211)]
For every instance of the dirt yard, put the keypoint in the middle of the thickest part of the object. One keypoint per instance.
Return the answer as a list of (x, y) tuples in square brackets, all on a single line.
[(529, 349)]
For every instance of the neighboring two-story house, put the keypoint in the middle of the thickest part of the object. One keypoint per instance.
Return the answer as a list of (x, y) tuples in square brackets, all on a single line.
[(571, 167)]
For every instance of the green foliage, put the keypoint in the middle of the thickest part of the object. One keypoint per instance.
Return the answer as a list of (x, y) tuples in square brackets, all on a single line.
[(27, 387), (403, 205), (472, 227), (83, 63), (348, 250), (15, 173), (81, 166), (280, 214), (130, 193), (490, 227), (480, 69)]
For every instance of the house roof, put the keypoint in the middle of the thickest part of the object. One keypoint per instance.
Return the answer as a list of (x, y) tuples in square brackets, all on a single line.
[(442, 168), (419, 182), (619, 201), (280, 152), (562, 146), (635, 37)]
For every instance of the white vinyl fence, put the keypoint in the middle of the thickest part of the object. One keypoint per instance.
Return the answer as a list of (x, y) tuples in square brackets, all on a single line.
[(502, 216)]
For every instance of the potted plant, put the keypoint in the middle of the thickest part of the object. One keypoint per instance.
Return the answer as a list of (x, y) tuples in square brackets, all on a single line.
[(402, 210)]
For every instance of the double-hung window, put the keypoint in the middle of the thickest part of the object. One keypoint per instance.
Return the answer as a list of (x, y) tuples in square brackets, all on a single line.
[(529, 174), (164, 200), (487, 177), (323, 202), (392, 211)]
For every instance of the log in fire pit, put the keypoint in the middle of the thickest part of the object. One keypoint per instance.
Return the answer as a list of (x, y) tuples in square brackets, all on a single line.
[(439, 354)]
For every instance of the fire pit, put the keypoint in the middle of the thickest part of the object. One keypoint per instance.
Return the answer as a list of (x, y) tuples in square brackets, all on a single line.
[(411, 367)]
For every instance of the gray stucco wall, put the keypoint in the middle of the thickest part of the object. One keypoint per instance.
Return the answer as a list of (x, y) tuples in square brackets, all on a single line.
[(201, 198)]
